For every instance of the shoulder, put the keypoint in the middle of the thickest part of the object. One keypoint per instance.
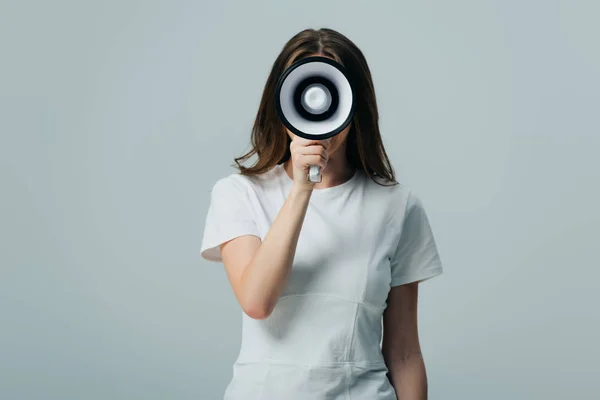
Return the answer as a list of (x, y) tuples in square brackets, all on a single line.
[(236, 184), (393, 194), (398, 199)]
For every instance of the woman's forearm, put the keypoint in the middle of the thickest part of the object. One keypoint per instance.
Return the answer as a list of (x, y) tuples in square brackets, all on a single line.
[(408, 376), (266, 276)]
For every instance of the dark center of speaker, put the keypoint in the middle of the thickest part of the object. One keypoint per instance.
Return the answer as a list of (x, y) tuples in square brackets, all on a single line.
[(316, 98)]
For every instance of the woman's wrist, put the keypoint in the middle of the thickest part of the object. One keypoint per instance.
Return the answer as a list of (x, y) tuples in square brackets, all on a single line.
[(301, 188)]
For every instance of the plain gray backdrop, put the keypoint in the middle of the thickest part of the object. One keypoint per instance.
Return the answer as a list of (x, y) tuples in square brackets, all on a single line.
[(117, 117)]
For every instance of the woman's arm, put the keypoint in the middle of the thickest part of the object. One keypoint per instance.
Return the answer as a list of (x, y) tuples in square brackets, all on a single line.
[(258, 272), (400, 347)]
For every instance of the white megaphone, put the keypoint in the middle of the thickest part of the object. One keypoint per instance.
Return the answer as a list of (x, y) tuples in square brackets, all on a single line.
[(315, 100)]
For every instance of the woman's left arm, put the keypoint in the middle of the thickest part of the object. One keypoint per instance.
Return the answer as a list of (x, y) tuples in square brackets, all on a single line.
[(400, 347)]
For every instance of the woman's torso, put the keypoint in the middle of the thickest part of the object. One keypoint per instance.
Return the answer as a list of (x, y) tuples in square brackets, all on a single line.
[(322, 340)]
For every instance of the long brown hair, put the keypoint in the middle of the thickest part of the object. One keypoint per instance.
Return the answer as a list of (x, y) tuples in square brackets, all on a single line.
[(364, 147)]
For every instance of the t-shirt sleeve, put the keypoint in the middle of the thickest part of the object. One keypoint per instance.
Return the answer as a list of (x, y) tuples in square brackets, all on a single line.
[(229, 216), (416, 256)]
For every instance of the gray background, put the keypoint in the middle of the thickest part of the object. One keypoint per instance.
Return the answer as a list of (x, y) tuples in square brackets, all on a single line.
[(117, 118)]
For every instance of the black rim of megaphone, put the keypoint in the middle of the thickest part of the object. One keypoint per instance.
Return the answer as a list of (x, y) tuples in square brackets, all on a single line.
[(292, 128)]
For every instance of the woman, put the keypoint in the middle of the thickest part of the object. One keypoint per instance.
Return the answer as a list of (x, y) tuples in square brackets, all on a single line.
[(318, 268)]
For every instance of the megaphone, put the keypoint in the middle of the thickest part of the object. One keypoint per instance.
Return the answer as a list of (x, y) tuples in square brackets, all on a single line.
[(315, 100)]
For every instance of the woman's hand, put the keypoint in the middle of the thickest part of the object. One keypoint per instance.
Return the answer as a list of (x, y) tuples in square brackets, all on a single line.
[(305, 153)]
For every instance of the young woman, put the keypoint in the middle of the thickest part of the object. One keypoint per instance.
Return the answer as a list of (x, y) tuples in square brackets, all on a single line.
[(326, 273)]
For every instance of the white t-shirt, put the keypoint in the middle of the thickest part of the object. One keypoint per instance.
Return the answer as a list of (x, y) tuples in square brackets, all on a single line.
[(323, 339)]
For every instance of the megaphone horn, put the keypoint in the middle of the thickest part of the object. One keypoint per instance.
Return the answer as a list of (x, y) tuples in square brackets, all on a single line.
[(315, 100)]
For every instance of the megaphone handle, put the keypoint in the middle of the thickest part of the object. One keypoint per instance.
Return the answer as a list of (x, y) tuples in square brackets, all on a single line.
[(314, 173)]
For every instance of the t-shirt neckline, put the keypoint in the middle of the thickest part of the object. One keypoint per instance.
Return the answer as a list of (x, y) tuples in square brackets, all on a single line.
[(323, 191)]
